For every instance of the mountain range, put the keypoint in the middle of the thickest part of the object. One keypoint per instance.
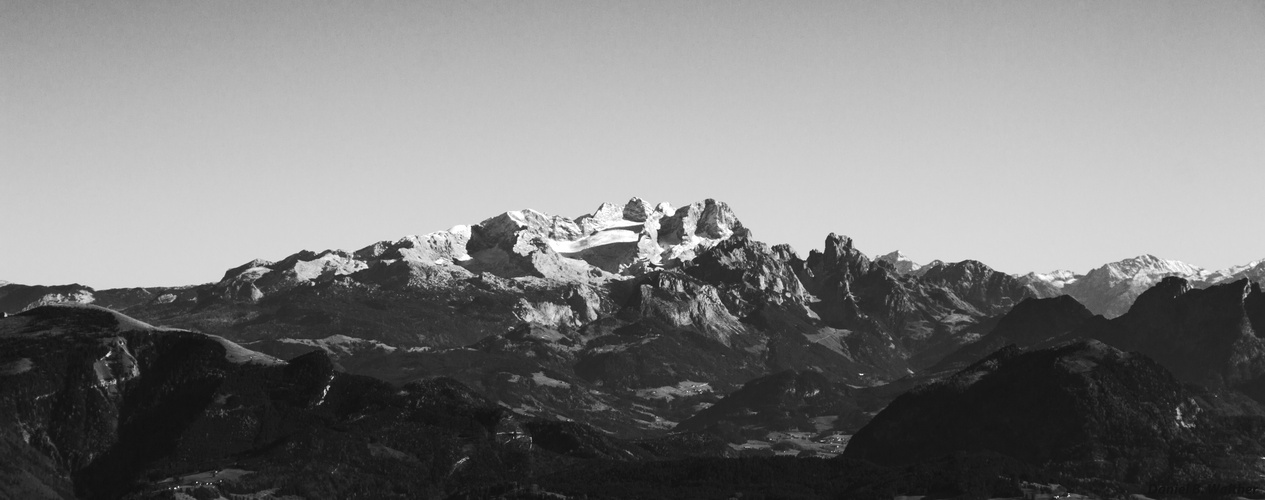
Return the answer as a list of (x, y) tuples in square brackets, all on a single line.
[(528, 347)]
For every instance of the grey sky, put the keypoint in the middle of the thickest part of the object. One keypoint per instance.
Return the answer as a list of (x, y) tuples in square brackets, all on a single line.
[(160, 143)]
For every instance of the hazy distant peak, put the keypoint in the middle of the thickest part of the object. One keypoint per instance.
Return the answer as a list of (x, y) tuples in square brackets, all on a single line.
[(1254, 271), (900, 262), (893, 256)]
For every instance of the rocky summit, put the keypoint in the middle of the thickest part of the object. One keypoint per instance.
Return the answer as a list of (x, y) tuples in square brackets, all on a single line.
[(629, 346)]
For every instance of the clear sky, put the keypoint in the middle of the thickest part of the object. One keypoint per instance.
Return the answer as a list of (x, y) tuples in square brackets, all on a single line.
[(160, 143)]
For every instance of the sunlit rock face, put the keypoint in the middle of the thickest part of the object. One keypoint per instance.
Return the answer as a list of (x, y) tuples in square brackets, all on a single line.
[(16, 298), (749, 274), (682, 301)]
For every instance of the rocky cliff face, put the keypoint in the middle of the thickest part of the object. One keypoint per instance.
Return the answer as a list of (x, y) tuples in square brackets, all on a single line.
[(921, 316), (750, 274)]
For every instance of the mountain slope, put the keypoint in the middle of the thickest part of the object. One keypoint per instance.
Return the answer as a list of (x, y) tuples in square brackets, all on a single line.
[(1210, 336), (1030, 323), (115, 404), (1083, 408)]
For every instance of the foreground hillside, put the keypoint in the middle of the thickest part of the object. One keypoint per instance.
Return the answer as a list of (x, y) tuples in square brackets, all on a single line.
[(99, 405)]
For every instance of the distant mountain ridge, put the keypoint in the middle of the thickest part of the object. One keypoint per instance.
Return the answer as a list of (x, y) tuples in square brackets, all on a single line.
[(586, 318), (1109, 289), (614, 242), (1112, 288), (922, 311)]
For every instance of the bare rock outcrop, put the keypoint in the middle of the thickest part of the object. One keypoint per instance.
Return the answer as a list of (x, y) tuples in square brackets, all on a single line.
[(682, 301)]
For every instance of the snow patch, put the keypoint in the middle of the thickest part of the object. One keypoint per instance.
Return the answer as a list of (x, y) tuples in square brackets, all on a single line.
[(325, 392), (605, 237), (543, 380), (340, 344), (954, 318)]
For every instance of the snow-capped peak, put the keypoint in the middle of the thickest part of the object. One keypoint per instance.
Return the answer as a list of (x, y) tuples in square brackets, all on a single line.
[(1254, 270), (1057, 278), (1111, 289), (1150, 265)]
